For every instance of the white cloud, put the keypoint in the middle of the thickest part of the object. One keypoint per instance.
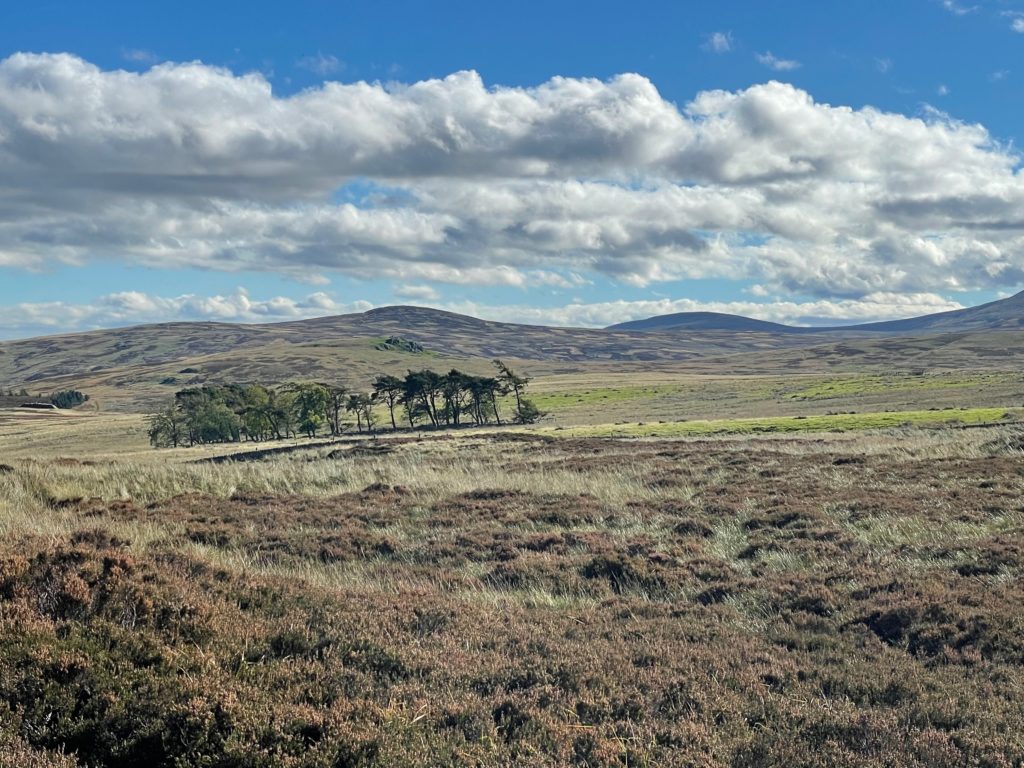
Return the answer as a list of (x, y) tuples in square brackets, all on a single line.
[(883, 65), (718, 42), (186, 165), (957, 9), (321, 64), (139, 56), (1016, 20), (134, 307), (942, 90), (416, 292), (772, 61)]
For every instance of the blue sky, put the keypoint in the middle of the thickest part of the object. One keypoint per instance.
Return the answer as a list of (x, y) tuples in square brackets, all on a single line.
[(877, 177)]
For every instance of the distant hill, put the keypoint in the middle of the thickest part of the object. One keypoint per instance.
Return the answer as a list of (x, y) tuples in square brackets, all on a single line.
[(1001, 315), (440, 333), (124, 367), (704, 321), (129, 368)]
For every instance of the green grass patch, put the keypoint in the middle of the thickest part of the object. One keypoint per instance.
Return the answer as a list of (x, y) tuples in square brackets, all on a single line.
[(549, 401), (865, 385), (840, 422)]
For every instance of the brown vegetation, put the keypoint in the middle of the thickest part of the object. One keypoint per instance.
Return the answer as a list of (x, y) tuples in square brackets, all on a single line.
[(796, 601)]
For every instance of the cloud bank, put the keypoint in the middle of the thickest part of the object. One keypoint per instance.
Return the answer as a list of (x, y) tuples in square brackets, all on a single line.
[(450, 180)]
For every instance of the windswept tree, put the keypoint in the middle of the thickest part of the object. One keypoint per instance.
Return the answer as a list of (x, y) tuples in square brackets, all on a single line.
[(526, 411), (221, 413), (362, 406), (388, 390), (285, 412), (421, 392), (366, 403), (484, 392), (211, 414), (311, 403), (167, 428), (278, 410), (455, 393), (257, 415), (335, 405)]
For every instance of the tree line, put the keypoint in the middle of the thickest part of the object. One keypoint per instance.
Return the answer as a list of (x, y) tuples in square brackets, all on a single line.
[(222, 413), (65, 399)]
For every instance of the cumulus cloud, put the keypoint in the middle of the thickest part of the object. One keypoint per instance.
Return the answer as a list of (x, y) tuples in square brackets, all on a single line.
[(139, 56), (957, 9), (416, 293), (1016, 20), (134, 307), (772, 61), (187, 165), (321, 64), (718, 42)]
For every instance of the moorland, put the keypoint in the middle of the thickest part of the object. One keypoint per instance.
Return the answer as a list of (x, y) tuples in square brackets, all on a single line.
[(720, 547)]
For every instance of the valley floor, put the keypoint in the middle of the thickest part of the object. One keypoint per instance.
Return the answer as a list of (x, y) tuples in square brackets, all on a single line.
[(519, 599)]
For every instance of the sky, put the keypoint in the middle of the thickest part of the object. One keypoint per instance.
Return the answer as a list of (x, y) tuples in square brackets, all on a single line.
[(564, 163)]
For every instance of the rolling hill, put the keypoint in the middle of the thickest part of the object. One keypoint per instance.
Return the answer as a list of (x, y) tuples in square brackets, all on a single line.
[(444, 334), (131, 367), (1000, 315), (704, 321)]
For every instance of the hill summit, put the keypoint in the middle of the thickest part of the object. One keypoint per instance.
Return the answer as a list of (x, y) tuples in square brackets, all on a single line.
[(1000, 315)]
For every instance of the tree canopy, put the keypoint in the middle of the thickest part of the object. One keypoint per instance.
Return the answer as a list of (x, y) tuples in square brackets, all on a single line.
[(220, 413)]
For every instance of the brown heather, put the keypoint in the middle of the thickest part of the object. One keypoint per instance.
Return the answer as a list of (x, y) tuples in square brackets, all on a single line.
[(842, 601)]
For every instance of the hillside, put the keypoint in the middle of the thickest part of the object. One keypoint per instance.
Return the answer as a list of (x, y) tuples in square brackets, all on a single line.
[(704, 321), (1000, 315), (125, 369), (442, 333)]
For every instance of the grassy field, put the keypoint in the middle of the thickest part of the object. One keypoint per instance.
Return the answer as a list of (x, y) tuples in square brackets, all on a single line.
[(674, 567), (506, 599), (838, 422), (684, 376), (580, 399), (123, 436)]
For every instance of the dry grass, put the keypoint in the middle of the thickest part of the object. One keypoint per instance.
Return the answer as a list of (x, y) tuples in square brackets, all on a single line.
[(513, 599)]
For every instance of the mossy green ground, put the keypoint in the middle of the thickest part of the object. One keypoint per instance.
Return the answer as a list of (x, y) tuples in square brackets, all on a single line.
[(551, 401), (802, 388), (863, 385), (840, 422), (588, 400)]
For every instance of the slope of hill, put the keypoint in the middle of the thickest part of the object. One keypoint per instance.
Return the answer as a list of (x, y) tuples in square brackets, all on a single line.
[(127, 368), (441, 333), (1000, 315), (132, 365), (704, 321)]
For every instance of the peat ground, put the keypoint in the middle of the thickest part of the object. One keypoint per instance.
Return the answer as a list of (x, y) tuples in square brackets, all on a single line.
[(517, 600)]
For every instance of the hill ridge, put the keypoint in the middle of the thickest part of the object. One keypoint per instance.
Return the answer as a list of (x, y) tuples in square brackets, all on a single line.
[(1000, 314)]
